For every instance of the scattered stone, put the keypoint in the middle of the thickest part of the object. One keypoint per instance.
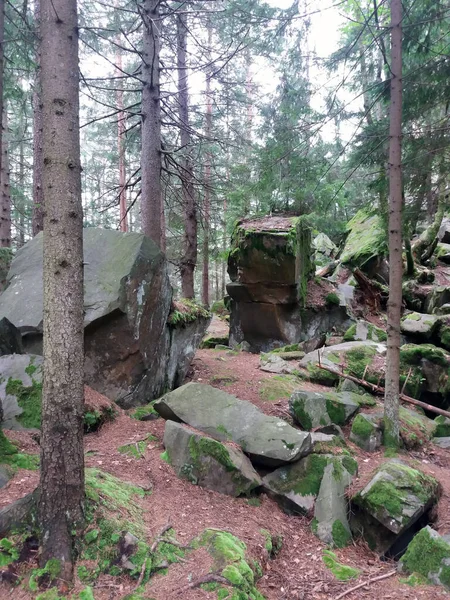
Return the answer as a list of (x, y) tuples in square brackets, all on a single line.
[(395, 498), (274, 363), (313, 409), (419, 325), (208, 463), (366, 432), (295, 487), (10, 338), (330, 511), (5, 475), (332, 430), (442, 442), (267, 440), (363, 330), (428, 554), (210, 341)]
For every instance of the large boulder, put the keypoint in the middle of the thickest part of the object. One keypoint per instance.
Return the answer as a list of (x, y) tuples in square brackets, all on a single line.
[(419, 326), (325, 249), (316, 409), (363, 330), (296, 486), (365, 246), (130, 346), (436, 298), (393, 500), (266, 440), (428, 554), (209, 463), (10, 338), (269, 265)]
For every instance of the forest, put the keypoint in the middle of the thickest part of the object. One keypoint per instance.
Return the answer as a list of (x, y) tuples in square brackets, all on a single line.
[(224, 299)]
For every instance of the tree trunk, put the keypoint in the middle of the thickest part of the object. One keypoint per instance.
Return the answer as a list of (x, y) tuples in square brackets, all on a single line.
[(38, 157), (21, 202), (151, 191), (62, 459), (207, 204), (189, 260), (5, 191), (391, 398), (123, 217)]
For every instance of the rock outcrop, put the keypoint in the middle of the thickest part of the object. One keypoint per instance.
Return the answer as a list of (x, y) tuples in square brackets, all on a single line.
[(207, 462), (428, 554), (316, 409), (267, 440), (133, 351)]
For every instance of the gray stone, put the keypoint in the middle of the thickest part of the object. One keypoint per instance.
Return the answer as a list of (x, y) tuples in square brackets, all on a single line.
[(295, 487), (340, 349), (273, 363), (443, 253), (437, 297), (209, 463), (10, 338), (347, 385), (363, 330), (442, 442), (313, 409), (267, 440), (330, 430), (331, 508), (444, 309), (397, 496), (127, 301), (5, 475), (19, 513), (366, 432), (444, 231), (420, 326)]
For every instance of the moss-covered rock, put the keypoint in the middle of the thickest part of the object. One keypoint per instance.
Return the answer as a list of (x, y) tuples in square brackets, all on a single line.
[(366, 432), (209, 463), (419, 326), (363, 330), (366, 239), (397, 495), (428, 554), (442, 426), (314, 409), (211, 341), (295, 487)]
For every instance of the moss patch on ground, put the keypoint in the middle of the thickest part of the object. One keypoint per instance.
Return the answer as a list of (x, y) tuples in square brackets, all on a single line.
[(278, 386), (9, 455), (145, 413), (340, 571)]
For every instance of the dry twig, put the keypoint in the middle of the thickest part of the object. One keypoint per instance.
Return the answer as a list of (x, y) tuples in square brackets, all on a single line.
[(364, 583)]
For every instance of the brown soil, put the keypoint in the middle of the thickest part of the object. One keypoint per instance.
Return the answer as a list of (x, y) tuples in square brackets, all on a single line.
[(297, 572)]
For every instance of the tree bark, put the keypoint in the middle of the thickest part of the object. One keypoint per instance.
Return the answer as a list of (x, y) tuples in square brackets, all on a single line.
[(123, 217), (62, 460), (391, 398), (5, 191), (38, 157), (151, 191), (189, 260), (207, 203)]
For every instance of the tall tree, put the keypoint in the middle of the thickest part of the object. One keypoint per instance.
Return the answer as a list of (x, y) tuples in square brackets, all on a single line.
[(151, 191), (5, 192), (391, 398), (62, 458), (189, 259), (38, 161), (208, 165)]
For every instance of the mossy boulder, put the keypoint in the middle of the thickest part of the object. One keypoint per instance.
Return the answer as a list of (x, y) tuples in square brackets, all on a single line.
[(211, 341), (366, 432), (363, 330), (295, 487), (442, 426), (208, 463), (230, 561), (274, 363), (325, 249), (428, 554), (224, 417), (419, 326), (436, 298), (314, 409), (366, 240), (397, 496)]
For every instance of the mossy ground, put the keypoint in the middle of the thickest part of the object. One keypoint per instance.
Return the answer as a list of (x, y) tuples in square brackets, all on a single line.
[(340, 571), (278, 386), (29, 399), (142, 413), (9, 455)]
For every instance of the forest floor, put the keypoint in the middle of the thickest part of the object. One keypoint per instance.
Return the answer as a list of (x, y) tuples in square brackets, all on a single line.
[(298, 571)]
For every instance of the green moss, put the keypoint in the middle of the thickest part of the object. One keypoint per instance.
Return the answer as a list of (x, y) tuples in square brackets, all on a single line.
[(51, 594), (335, 410), (340, 571), (340, 534), (204, 446), (412, 354), (366, 239), (301, 415), (279, 386), (350, 464), (7, 448), (31, 369), (413, 580), (332, 298), (186, 311), (425, 554), (358, 359), (349, 335), (362, 427), (30, 401), (223, 431), (391, 453), (314, 525), (254, 502), (268, 540), (142, 412), (412, 317), (49, 573), (165, 457), (321, 376), (135, 450), (212, 341), (309, 481), (442, 426), (284, 349), (444, 336)]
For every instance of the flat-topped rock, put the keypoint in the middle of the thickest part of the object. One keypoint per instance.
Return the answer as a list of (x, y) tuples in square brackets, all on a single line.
[(418, 325), (268, 440), (315, 409)]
